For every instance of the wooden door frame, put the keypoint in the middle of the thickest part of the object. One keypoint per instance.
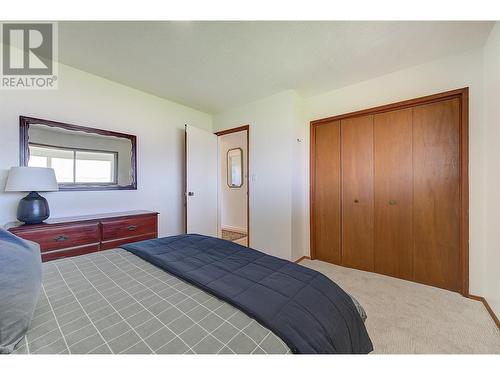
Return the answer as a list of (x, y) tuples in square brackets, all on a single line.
[(237, 130), (463, 95)]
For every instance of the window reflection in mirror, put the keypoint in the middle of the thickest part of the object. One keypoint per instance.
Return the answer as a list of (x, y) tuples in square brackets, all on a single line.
[(81, 158), (235, 168), (73, 166)]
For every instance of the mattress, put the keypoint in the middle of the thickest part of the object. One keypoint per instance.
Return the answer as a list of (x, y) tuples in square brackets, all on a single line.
[(115, 302)]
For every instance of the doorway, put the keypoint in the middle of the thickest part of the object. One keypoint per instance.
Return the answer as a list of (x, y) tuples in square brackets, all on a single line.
[(233, 210)]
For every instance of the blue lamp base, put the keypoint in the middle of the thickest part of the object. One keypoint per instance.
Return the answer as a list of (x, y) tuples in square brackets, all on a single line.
[(33, 209)]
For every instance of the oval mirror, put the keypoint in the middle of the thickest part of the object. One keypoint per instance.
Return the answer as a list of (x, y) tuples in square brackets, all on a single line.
[(235, 168)]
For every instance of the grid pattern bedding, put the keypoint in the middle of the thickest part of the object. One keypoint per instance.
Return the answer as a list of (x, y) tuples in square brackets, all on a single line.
[(307, 310), (115, 302)]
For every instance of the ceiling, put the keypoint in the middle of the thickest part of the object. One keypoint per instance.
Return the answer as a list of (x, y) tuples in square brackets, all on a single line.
[(212, 66)]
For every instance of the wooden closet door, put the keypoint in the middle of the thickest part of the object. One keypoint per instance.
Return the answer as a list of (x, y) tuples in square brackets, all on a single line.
[(436, 215), (393, 193), (357, 192), (326, 197)]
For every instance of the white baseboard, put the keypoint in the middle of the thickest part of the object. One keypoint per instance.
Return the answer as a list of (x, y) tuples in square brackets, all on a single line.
[(234, 229)]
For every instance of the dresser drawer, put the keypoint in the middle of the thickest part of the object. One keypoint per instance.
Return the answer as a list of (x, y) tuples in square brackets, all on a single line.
[(62, 237), (73, 236), (128, 227), (112, 244), (75, 251)]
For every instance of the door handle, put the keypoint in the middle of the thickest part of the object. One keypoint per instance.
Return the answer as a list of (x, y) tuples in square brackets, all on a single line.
[(190, 194), (392, 202)]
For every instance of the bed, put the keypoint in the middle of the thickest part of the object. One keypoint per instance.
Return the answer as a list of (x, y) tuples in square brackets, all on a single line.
[(116, 302)]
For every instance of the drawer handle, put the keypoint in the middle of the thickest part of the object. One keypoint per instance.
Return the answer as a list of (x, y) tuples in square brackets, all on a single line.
[(61, 238), (393, 202), (132, 227)]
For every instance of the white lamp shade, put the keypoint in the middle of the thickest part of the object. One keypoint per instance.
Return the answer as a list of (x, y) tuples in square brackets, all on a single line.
[(31, 179)]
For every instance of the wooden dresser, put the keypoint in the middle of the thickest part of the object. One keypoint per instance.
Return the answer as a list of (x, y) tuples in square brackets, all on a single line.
[(71, 236)]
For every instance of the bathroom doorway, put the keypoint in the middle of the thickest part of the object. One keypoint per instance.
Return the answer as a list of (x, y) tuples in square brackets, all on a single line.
[(234, 215)]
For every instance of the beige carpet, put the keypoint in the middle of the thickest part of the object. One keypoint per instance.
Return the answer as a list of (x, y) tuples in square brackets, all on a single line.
[(406, 317)]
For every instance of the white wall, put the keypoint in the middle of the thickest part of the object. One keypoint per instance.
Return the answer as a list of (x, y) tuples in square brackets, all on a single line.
[(233, 201), (270, 151), (88, 100), (280, 194), (492, 158), (280, 215), (300, 181)]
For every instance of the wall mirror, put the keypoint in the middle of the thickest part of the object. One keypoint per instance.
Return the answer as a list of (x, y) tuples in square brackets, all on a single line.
[(83, 158), (235, 168)]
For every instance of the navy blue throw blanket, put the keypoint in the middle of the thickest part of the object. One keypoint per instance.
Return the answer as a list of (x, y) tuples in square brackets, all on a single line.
[(306, 309)]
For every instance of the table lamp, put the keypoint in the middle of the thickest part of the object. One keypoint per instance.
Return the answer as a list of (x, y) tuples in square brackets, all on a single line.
[(33, 208)]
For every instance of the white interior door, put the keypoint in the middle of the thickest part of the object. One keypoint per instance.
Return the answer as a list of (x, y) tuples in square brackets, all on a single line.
[(201, 182)]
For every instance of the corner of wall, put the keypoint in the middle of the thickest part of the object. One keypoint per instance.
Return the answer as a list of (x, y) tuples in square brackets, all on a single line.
[(491, 243)]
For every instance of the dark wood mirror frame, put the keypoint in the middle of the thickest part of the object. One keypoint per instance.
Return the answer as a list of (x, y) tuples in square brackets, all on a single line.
[(228, 168), (24, 124)]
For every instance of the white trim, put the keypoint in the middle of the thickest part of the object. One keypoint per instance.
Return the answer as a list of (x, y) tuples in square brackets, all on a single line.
[(219, 189)]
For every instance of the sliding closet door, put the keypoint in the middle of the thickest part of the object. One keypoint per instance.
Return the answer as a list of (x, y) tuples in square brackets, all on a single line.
[(393, 193), (326, 198), (357, 192), (403, 193), (436, 160)]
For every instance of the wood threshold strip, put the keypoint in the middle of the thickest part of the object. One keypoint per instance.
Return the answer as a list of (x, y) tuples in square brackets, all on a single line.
[(302, 258), (487, 306)]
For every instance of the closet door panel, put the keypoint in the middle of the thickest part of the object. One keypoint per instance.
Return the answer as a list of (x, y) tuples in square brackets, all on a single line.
[(393, 193), (327, 192), (436, 158), (357, 192)]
